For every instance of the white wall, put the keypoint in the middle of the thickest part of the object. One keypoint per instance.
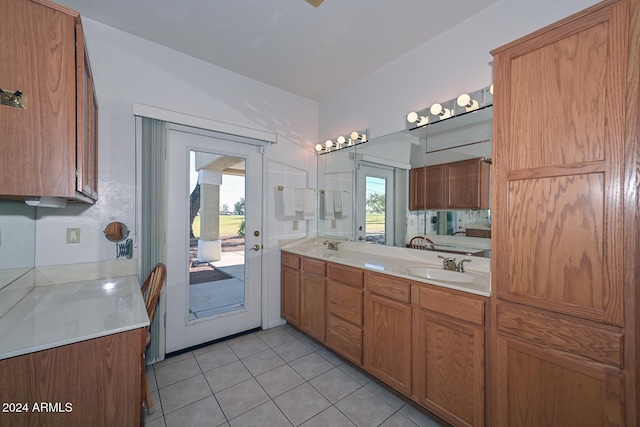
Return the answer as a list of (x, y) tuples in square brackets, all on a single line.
[(457, 61), (131, 70)]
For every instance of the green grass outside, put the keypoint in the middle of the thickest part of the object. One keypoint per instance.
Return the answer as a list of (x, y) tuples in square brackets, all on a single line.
[(229, 225), (375, 223)]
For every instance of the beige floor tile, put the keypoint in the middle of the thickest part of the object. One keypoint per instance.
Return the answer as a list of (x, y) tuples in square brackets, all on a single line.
[(265, 415), (151, 377), (157, 422), (398, 420), (241, 398), (301, 403), (355, 373), (311, 365), (329, 417), (275, 337), (185, 392), (364, 408), (175, 372), (330, 356), (240, 338), (315, 345), (293, 331), (216, 358), (335, 384), (173, 359), (262, 362), (393, 400), (205, 412), (209, 348), (292, 350), (227, 376), (279, 380), (420, 417), (248, 347)]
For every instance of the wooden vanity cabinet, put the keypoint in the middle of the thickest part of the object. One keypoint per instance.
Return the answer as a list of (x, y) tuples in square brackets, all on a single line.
[(449, 354), (565, 254), (313, 287), (96, 382), (387, 330), (49, 148), (290, 288), (345, 307), (417, 188)]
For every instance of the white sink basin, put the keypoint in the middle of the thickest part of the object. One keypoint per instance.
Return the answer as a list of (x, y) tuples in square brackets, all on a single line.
[(318, 251), (440, 274)]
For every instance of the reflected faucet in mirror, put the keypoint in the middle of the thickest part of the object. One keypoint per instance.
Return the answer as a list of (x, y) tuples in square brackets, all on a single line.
[(333, 246)]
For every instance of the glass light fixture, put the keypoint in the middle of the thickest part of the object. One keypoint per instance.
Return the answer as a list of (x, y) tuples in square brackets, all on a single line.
[(318, 147), (465, 101), (342, 141), (438, 110)]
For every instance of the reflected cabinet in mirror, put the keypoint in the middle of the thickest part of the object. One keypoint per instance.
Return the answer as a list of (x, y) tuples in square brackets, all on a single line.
[(432, 181)]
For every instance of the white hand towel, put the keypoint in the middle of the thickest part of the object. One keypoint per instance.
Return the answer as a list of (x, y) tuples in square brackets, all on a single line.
[(328, 205), (309, 203), (288, 203), (337, 202), (299, 199), (347, 204)]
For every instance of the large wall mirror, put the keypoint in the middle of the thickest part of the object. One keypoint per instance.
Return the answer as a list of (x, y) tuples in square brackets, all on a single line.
[(370, 185)]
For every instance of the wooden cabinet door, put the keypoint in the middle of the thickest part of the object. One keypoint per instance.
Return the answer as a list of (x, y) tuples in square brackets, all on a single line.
[(417, 177), (538, 386), (467, 185), (558, 199), (435, 187), (313, 305), (290, 295), (387, 341), (449, 368), (37, 149), (87, 124)]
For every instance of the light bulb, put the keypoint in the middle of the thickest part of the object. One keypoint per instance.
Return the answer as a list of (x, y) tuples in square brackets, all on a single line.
[(328, 143), (318, 147), (491, 89), (436, 109), (341, 140), (412, 117), (464, 100), (354, 135)]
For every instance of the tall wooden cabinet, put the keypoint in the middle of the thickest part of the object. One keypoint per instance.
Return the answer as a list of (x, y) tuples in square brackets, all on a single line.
[(565, 250), (49, 147), (313, 287)]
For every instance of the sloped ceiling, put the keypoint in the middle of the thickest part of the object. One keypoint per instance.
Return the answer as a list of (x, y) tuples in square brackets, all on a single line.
[(289, 44)]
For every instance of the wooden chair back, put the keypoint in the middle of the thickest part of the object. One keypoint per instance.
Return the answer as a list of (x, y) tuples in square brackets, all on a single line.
[(152, 287), (420, 242)]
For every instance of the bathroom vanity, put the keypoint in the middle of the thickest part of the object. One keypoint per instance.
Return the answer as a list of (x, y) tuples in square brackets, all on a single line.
[(397, 314)]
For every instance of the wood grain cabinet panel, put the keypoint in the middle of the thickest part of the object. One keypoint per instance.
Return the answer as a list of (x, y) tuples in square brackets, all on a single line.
[(345, 338), (387, 341), (99, 378), (543, 387), (417, 183), (467, 184), (313, 305), (448, 368), (290, 295), (50, 147)]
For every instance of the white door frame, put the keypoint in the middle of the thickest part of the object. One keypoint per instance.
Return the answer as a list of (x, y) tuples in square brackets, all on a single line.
[(364, 169), (182, 332)]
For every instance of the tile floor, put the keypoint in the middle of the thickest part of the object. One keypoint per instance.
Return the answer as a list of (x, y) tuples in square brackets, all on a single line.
[(277, 377)]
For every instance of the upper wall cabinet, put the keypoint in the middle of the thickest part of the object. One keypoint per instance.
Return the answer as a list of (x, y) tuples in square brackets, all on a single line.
[(455, 185), (48, 132)]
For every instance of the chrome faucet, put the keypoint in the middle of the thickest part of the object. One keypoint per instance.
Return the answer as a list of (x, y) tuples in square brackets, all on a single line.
[(331, 245), (450, 264)]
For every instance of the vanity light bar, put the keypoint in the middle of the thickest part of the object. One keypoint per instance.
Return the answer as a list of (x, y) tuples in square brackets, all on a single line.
[(341, 142), (465, 103)]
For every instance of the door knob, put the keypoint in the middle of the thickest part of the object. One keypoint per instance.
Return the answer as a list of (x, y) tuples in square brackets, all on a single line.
[(256, 247), (360, 238)]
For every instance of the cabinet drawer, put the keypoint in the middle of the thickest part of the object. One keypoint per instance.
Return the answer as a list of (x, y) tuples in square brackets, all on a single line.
[(346, 275), (313, 266), (344, 338), (388, 286), (290, 260), (450, 304), (345, 302), (561, 332)]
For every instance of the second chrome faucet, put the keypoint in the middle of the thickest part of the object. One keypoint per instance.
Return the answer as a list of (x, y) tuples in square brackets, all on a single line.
[(449, 263)]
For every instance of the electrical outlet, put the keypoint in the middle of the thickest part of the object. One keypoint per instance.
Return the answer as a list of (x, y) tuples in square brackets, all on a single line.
[(73, 235)]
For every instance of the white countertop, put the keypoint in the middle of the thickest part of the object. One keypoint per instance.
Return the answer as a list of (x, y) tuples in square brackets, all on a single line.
[(398, 261), (58, 314)]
